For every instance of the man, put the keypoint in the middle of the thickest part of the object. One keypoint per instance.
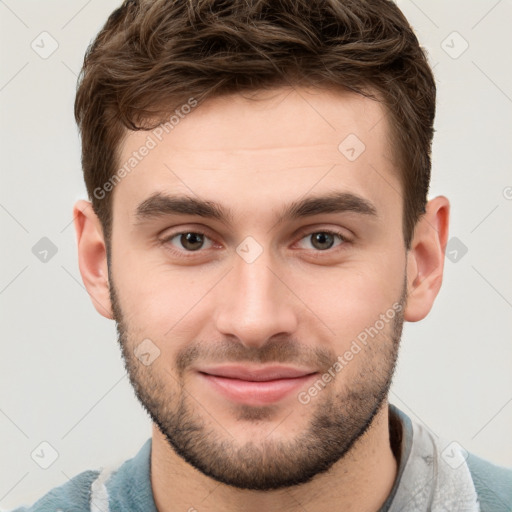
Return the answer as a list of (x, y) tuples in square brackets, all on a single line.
[(259, 230)]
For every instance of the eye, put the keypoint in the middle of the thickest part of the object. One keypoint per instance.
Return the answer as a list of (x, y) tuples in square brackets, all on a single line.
[(190, 241), (323, 240)]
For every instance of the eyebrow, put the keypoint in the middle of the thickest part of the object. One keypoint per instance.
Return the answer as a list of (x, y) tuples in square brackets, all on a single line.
[(160, 205)]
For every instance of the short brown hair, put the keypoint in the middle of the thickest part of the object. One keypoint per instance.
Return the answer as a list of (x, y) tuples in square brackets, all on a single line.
[(154, 55)]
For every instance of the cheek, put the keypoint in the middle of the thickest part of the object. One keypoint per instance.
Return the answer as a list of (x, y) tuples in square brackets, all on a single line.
[(159, 301), (350, 299)]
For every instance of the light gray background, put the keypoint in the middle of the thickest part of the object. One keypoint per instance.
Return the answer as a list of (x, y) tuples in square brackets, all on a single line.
[(62, 378)]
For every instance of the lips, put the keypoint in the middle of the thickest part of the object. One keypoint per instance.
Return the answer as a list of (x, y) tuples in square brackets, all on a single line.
[(255, 385)]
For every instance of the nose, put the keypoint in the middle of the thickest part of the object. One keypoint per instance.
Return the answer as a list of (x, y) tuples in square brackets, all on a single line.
[(255, 304)]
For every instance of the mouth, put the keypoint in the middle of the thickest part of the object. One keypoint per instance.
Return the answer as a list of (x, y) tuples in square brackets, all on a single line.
[(251, 385)]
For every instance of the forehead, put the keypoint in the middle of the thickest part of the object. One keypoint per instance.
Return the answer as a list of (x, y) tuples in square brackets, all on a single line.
[(260, 151)]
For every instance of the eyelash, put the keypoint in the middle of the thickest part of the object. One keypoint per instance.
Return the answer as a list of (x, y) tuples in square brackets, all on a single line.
[(303, 234)]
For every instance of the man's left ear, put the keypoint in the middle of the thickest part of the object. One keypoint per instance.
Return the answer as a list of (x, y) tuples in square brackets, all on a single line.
[(425, 259)]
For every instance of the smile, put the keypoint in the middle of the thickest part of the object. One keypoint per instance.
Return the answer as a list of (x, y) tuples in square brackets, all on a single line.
[(256, 386)]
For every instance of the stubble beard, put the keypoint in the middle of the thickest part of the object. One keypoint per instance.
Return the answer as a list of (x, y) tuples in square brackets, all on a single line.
[(339, 417)]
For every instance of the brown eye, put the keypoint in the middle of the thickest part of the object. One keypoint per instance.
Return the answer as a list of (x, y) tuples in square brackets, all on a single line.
[(192, 241), (322, 240), (189, 241)]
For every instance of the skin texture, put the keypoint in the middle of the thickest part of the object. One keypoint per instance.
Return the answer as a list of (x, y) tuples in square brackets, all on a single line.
[(294, 304)]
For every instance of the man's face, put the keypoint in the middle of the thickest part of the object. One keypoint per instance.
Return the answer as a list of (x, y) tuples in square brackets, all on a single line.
[(239, 318)]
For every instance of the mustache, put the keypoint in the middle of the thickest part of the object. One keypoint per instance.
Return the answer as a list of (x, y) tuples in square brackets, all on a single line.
[(274, 351)]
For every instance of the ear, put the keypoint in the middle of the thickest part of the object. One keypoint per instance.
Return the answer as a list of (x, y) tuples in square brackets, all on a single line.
[(92, 256), (425, 259)]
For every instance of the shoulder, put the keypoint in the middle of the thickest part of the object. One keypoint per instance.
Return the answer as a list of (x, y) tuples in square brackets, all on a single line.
[(87, 490), (73, 496), (493, 484)]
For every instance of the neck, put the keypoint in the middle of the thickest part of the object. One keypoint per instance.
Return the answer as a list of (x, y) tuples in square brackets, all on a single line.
[(360, 481)]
